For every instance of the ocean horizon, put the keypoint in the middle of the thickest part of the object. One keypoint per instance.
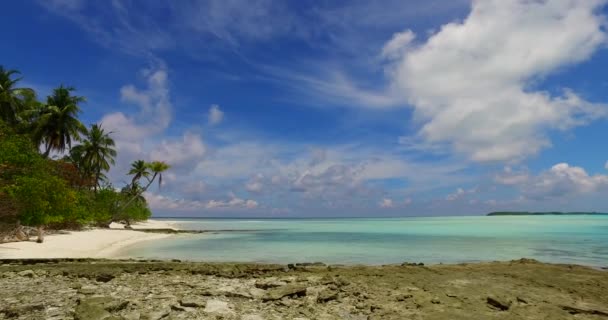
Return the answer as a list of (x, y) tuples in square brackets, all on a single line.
[(375, 241)]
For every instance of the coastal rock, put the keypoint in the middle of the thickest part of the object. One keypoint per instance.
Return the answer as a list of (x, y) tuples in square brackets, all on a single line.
[(269, 283), (327, 295), (499, 303), (26, 273), (286, 291), (156, 314), (91, 312), (104, 277), (88, 289), (193, 302), (218, 307)]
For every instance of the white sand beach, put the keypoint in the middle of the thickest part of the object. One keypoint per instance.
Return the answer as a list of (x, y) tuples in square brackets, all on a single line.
[(95, 243)]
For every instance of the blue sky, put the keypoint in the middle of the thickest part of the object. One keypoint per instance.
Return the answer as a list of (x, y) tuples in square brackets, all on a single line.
[(336, 108)]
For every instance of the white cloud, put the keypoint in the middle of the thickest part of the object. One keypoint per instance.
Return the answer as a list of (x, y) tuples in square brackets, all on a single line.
[(398, 44), (215, 115), (255, 184), (563, 180), (184, 153), (386, 203), (161, 202), (460, 193), (510, 177), (132, 132), (471, 82)]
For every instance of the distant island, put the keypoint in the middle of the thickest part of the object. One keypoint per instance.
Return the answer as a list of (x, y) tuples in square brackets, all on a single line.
[(525, 213)]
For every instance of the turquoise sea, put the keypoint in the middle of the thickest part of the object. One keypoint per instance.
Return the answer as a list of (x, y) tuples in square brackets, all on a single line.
[(559, 239)]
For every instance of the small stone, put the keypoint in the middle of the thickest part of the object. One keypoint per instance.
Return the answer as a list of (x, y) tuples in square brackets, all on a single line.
[(156, 315), (403, 297), (26, 273), (269, 283), (90, 312), (132, 315), (499, 303), (193, 302), (88, 289), (451, 295), (327, 295), (218, 307), (104, 277), (435, 301), (286, 291)]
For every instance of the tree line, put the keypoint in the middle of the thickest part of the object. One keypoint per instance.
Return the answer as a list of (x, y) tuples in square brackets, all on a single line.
[(66, 191)]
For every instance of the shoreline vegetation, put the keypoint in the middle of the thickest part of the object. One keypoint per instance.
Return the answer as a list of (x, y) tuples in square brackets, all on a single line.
[(131, 289), (548, 213), (53, 168)]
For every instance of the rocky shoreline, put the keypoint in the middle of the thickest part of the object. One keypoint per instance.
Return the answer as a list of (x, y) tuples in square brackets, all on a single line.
[(129, 290)]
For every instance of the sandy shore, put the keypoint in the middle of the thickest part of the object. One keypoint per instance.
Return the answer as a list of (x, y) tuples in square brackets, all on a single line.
[(96, 243)]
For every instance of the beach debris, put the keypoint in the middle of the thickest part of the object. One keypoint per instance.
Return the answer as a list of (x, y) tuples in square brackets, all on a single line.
[(499, 303)]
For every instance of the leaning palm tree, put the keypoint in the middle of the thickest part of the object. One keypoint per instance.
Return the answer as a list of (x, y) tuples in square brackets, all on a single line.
[(58, 124), (157, 168), (139, 169), (13, 100), (96, 153)]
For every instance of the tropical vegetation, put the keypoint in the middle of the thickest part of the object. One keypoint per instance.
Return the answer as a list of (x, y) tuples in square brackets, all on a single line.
[(53, 169)]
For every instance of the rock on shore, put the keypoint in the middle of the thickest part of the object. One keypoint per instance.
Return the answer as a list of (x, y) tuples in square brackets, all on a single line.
[(129, 290)]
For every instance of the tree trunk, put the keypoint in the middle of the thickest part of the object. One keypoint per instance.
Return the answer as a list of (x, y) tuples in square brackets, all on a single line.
[(40, 230), (47, 152), (20, 234), (142, 192)]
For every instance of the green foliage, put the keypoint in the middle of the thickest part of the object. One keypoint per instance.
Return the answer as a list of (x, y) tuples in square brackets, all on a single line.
[(58, 125), (39, 191), (43, 199)]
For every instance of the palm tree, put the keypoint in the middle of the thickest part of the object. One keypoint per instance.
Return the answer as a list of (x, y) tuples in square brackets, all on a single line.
[(96, 153), (58, 123), (139, 169), (157, 167), (13, 100)]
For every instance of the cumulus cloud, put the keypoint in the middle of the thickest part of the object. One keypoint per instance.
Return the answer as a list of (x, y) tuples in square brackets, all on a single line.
[(386, 203), (460, 193), (162, 202), (131, 131), (563, 180), (511, 177), (255, 184), (398, 44), (183, 154), (215, 115), (471, 82), (560, 181)]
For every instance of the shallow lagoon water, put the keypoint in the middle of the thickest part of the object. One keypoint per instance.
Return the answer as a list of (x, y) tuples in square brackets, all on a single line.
[(558, 239)]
